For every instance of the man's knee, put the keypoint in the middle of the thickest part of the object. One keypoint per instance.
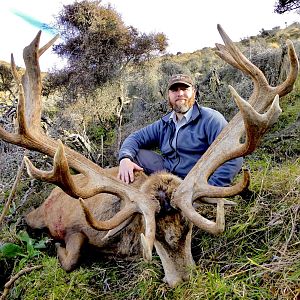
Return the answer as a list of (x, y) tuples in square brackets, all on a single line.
[(150, 161)]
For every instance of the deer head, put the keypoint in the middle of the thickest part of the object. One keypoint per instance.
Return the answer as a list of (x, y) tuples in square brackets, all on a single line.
[(256, 116)]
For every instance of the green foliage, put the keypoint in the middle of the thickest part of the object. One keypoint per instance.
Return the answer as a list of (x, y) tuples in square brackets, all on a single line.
[(97, 132), (260, 243), (52, 282), (6, 79), (28, 249), (257, 257), (10, 250), (283, 6), (98, 46)]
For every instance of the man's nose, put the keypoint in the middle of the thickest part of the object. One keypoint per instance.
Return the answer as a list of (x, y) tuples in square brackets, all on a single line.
[(180, 91)]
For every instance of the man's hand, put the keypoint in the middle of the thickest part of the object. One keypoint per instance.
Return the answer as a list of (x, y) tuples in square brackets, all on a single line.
[(126, 170)]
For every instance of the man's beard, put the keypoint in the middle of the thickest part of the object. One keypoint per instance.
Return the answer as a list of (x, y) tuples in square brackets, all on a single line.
[(183, 107)]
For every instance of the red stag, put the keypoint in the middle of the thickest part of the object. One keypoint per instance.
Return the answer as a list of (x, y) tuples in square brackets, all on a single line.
[(153, 211)]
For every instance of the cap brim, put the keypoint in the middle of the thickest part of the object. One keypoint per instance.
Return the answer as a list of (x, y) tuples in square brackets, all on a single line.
[(181, 82)]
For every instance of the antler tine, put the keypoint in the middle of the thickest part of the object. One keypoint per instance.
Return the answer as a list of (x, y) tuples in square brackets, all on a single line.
[(123, 215), (14, 70), (128, 211), (32, 84), (60, 175), (145, 206), (47, 45), (21, 125), (287, 85), (115, 221), (203, 223), (135, 200), (251, 120), (28, 132), (232, 55), (225, 55), (30, 135)]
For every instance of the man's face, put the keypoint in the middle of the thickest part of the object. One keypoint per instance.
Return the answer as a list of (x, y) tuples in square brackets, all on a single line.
[(181, 97)]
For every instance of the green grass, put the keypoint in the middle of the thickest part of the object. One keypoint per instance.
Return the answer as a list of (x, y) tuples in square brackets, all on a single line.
[(52, 282), (257, 257)]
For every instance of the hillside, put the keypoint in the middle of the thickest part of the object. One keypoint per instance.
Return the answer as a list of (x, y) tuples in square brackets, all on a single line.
[(258, 255)]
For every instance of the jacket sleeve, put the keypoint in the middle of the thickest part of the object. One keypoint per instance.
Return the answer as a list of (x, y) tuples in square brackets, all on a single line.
[(224, 175), (145, 138)]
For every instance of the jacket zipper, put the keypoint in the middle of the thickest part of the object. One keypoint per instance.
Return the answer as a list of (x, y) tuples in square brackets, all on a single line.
[(176, 153)]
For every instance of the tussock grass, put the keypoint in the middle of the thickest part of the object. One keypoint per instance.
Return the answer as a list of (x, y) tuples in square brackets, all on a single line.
[(257, 257), (259, 252)]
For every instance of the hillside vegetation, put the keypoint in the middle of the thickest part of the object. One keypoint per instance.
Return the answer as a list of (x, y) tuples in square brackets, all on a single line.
[(258, 255)]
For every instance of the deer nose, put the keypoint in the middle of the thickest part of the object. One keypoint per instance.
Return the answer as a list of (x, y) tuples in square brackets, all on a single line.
[(167, 206), (164, 202)]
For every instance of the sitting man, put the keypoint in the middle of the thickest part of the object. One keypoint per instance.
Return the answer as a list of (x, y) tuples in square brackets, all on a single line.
[(183, 135)]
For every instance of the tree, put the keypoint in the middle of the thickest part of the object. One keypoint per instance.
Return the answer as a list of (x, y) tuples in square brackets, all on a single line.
[(98, 46), (282, 6), (6, 80)]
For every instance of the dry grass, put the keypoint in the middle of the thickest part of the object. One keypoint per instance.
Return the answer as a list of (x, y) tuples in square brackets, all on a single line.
[(257, 257)]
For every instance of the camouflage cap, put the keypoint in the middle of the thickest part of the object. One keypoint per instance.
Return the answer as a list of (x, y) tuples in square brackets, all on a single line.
[(180, 78)]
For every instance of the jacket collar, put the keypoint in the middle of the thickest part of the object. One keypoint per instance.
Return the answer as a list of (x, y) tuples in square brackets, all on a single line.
[(195, 114)]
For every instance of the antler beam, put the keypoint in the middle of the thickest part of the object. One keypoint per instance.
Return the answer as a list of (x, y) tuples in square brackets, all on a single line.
[(254, 119), (29, 134)]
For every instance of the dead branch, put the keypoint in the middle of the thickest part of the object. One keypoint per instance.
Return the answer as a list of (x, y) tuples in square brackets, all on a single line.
[(13, 190), (9, 284)]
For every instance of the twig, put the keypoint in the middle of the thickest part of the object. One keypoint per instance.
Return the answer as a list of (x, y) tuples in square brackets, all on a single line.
[(238, 272), (293, 228), (264, 177), (23, 200), (13, 190), (293, 189), (8, 284), (247, 270)]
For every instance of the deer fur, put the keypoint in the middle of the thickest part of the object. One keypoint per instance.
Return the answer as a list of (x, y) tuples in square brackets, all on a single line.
[(156, 211), (65, 220)]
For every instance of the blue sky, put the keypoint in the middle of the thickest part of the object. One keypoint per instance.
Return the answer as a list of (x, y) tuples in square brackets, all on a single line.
[(190, 25)]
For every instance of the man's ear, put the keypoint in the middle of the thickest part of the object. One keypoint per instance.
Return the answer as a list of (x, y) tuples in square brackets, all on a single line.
[(194, 92)]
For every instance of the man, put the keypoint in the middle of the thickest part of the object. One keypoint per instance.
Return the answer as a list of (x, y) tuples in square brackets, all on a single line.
[(183, 135)]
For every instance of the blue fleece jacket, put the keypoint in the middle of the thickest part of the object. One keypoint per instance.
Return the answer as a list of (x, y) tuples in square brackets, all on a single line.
[(193, 139)]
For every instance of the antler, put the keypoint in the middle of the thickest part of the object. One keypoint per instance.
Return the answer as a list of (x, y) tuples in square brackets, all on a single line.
[(255, 117), (29, 134)]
